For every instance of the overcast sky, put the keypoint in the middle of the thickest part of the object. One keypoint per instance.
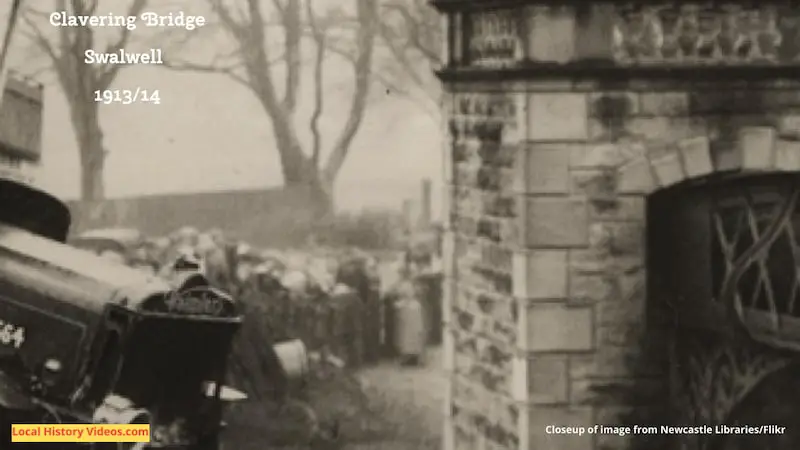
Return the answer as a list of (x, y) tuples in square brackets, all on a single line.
[(209, 133)]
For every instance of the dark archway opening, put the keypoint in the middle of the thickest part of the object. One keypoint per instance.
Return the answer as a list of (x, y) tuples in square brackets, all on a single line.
[(699, 240)]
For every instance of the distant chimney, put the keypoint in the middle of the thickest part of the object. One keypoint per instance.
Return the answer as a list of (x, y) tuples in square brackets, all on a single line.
[(425, 206)]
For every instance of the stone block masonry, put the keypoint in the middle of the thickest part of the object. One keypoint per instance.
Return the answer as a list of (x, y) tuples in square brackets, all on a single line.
[(561, 119), (547, 280)]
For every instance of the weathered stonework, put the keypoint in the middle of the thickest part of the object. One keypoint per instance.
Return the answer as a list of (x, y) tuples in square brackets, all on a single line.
[(550, 180)]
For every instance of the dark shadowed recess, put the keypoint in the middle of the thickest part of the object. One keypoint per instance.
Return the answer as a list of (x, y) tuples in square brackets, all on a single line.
[(767, 405)]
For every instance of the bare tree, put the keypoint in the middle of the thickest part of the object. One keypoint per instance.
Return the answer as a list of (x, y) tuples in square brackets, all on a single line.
[(254, 64), (79, 81), (411, 32)]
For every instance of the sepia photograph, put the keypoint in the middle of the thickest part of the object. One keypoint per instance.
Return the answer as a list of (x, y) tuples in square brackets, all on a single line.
[(399, 225)]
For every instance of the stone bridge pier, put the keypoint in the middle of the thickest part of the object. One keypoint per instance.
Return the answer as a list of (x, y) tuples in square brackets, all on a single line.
[(622, 189)]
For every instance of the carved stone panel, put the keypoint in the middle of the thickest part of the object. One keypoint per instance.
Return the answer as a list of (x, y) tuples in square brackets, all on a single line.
[(644, 33)]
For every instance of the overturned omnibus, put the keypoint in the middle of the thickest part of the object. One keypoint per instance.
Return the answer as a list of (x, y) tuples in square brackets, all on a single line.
[(84, 340)]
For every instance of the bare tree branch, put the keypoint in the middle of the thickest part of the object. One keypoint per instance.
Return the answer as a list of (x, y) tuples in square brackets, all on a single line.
[(327, 32), (411, 34), (110, 71), (400, 56), (319, 62), (65, 51), (229, 71), (377, 76), (91, 6), (281, 8), (292, 34), (416, 28), (232, 25), (39, 39), (256, 57), (367, 11)]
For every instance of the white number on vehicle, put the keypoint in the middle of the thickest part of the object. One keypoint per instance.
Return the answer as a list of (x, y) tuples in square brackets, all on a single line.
[(11, 334)]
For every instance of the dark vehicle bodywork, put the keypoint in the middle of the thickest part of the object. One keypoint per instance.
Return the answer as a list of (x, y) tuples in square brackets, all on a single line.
[(77, 333), (34, 210)]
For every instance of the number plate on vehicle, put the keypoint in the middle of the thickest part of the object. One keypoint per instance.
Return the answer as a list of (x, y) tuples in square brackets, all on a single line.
[(195, 304)]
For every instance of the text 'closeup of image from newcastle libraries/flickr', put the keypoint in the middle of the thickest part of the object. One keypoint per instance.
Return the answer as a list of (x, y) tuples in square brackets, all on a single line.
[(399, 225)]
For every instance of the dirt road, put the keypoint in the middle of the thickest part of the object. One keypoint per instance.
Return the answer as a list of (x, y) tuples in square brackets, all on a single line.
[(386, 407), (410, 403)]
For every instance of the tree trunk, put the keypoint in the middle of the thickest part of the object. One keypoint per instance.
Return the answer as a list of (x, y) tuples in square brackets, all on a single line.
[(322, 198), (300, 172), (92, 153), (319, 195)]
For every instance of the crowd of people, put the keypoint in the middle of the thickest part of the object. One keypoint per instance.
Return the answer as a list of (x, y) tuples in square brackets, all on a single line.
[(338, 302), (331, 299)]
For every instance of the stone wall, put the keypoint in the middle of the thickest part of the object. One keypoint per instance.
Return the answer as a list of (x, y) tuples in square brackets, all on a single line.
[(562, 119), (547, 192)]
